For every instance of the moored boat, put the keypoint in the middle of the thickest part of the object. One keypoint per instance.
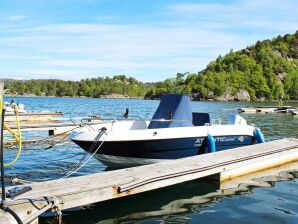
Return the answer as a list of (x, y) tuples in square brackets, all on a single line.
[(9, 107), (174, 132)]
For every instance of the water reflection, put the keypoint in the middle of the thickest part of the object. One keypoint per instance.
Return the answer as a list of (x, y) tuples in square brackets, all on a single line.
[(162, 202), (255, 198), (193, 202)]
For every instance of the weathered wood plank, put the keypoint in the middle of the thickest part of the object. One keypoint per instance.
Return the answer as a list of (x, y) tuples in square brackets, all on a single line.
[(78, 191), (41, 114), (56, 127), (41, 119)]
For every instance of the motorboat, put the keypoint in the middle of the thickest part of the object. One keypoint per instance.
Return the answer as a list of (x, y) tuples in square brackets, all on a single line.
[(9, 107), (173, 132)]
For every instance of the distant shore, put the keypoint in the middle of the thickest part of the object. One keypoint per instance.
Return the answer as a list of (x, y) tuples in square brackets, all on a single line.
[(110, 96), (120, 96)]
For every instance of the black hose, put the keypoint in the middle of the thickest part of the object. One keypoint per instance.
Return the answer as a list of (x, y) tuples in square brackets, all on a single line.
[(2, 206), (10, 211)]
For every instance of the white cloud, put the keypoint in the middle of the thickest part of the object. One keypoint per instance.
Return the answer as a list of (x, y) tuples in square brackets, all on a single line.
[(112, 49), (16, 17), (268, 15), (197, 7), (191, 36), (108, 17), (32, 73)]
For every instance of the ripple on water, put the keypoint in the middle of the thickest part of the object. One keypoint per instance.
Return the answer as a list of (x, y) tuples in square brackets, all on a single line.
[(180, 204)]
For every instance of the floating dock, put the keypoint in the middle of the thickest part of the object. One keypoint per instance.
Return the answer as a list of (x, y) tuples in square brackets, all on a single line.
[(267, 109), (34, 117), (53, 128), (78, 191)]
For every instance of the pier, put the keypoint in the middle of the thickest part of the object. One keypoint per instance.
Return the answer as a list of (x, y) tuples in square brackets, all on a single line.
[(66, 193), (267, 109), (35, 117), (52, 128), (78, 191)]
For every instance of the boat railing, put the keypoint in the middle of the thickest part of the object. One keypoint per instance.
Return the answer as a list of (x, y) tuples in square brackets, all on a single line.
[(86, 121), (217, 121), (140, 122), (169, 120)]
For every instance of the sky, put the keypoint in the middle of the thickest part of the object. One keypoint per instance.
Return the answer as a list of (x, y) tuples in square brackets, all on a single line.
[(150, 40)]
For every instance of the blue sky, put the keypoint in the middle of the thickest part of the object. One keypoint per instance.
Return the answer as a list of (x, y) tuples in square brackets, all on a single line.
[(148, 39)]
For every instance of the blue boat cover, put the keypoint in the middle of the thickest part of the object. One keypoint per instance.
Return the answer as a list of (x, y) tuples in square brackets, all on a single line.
[(175, 110)]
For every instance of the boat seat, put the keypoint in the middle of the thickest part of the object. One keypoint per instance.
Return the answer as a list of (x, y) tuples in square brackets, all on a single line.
[(200, 119), (137, 125), (236, 119)]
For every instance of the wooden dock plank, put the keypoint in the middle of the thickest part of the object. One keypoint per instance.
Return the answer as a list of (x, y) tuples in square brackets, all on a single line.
[(57, 128), (267, 110), (51, 114), (79, 191)]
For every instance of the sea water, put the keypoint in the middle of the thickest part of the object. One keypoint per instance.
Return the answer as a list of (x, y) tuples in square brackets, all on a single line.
[(185, 203)]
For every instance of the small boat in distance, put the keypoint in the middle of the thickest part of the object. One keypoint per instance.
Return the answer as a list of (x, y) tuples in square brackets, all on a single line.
[(29, 116), (9, 107), (174, 132)]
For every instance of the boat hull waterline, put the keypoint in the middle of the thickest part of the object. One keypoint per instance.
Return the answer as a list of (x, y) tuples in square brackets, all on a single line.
[(122, 154), (140, 147), (174, 132)]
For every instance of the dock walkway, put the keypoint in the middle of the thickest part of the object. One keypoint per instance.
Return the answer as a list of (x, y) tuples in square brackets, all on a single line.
[(83, 190), (267, 109), (52, 128)]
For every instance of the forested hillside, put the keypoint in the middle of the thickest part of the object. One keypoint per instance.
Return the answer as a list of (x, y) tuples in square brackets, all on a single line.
[(267, 70), (96, 87)]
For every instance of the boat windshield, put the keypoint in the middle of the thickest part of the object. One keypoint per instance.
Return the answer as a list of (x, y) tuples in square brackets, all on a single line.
[(174, 110)]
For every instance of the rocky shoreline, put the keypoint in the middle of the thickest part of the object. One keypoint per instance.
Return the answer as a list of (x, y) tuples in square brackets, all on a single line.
[(110, 96), (241, 96)]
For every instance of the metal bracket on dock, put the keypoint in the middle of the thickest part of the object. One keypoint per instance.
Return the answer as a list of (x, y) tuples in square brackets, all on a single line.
[(34, 216), (132, 185)]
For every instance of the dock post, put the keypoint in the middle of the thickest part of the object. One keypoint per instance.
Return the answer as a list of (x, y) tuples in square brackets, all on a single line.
[(51, 132), (3, 196), (1, 142)]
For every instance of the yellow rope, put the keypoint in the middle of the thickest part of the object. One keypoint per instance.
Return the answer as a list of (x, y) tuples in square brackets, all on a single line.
[(18, 139), (16, 136), (1, 105)]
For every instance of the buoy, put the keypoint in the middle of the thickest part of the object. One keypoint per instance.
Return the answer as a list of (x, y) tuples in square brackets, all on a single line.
[(259, 136), (211, 144)]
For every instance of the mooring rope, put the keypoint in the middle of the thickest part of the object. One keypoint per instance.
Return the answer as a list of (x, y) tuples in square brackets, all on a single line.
[(64, 135), (79, 165), (71, 172)]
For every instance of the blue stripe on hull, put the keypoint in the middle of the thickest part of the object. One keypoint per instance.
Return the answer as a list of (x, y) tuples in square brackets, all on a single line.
[(166, 149)]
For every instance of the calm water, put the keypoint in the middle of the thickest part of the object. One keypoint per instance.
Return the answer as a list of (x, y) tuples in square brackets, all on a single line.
[(182, 204)]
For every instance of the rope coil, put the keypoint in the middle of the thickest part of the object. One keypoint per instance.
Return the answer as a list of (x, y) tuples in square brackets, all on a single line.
[(17, 137)]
